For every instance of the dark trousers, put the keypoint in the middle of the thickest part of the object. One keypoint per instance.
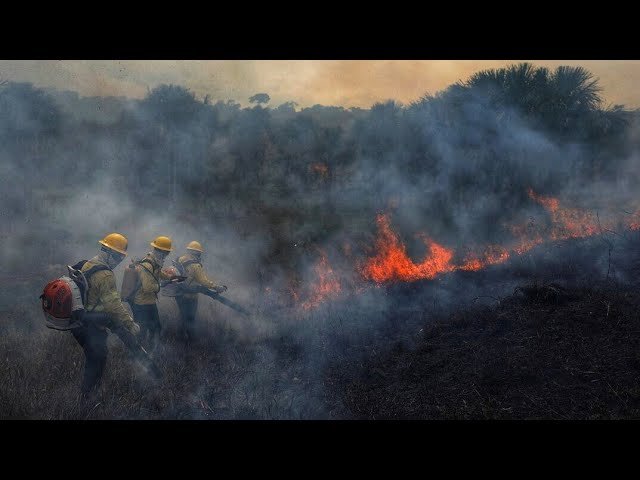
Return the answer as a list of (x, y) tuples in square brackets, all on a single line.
[(93, 341), (149, 320), (188, 308)]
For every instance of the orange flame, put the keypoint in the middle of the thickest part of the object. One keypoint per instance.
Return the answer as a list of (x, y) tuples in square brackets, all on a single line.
[(393, 263), (568, 222), (493, 255), (327, 284)]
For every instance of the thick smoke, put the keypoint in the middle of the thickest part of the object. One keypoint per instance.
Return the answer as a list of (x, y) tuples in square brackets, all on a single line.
[(270, 191)]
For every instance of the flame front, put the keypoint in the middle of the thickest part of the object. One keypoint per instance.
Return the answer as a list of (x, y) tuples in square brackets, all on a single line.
[(392, 262)]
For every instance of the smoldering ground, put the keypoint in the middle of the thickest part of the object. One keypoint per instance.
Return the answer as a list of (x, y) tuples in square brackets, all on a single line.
[(270, 192)]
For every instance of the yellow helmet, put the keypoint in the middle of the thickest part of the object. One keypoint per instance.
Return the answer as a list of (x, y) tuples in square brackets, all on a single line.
[(162, 243), (195, 246), (115, 242)]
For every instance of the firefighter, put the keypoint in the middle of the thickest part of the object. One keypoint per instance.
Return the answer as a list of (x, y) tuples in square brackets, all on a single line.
[(104, 310), (190, 265), (144, 307)]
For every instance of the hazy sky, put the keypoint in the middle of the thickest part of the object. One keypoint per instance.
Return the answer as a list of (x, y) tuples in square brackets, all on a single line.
[(329, 82)]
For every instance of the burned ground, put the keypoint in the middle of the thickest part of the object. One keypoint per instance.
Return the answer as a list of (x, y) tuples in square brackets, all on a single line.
[(544, 352)]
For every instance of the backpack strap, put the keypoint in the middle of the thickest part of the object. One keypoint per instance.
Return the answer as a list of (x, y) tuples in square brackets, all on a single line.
[(84, 289), (190, 262), (182, 266), (79, 265), (91, 271), (95, 269), (146, 260), (179, 267)]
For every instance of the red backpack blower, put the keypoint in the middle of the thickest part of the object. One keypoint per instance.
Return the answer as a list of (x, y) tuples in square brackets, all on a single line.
[(64, 298)]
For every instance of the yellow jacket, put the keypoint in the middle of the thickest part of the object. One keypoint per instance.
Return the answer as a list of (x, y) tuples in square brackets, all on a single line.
[(103, 295), (195, 275), (150, 275)]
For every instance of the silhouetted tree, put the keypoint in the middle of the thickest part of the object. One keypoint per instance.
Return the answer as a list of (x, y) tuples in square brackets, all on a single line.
[(260, 98), (171, 105)]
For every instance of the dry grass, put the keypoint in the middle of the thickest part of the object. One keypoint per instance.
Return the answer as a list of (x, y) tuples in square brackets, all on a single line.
[(227, 373)]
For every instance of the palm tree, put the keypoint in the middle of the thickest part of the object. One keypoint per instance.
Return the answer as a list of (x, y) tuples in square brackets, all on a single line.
[(566, 101), (521, 88), (577, 88)]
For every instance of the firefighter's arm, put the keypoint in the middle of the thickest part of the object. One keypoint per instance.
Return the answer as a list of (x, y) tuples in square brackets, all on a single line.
[(164, 276), (199, 277), (112, 303)]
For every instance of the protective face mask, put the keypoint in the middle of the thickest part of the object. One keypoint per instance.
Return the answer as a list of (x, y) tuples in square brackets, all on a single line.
[(111, 259), (114, 260), (160, 256)]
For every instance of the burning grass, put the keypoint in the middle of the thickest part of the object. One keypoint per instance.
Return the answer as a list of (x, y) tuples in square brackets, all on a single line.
[(391, 263)]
